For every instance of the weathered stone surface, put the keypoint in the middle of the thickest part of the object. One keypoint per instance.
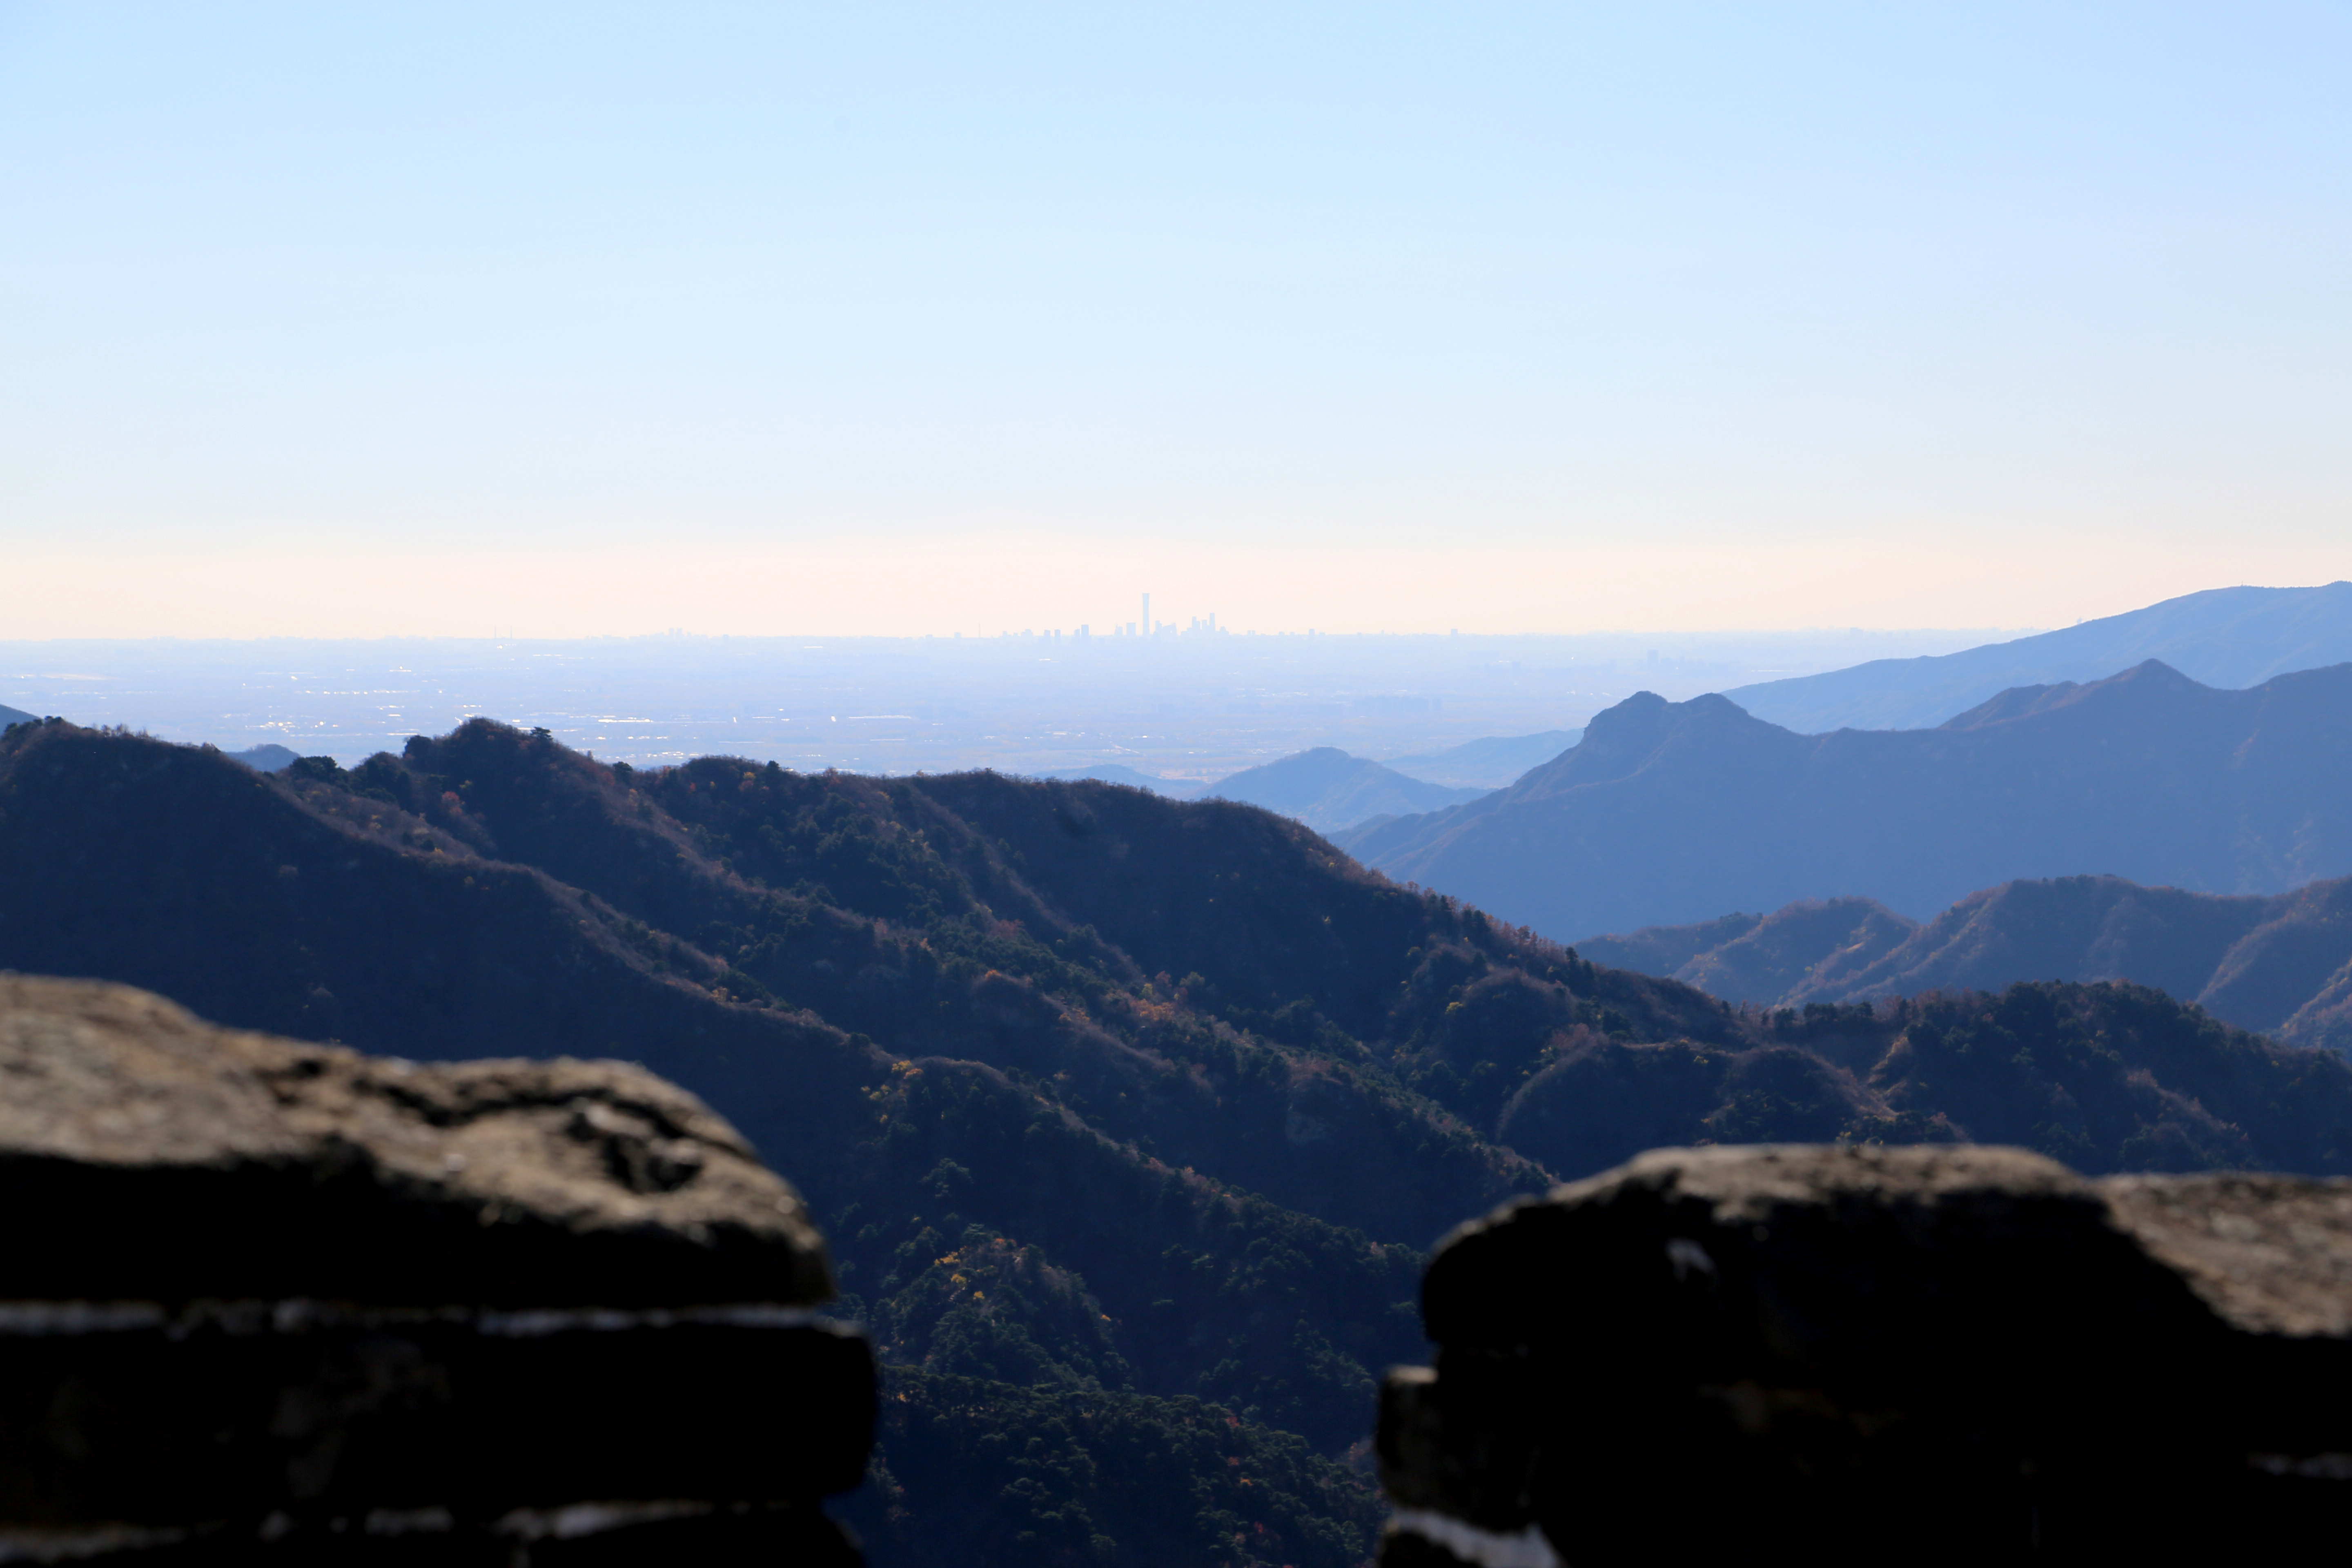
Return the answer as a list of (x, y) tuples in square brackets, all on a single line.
[(1943, 1351), (268, 1301), (144, 1155), (2270, 1255)]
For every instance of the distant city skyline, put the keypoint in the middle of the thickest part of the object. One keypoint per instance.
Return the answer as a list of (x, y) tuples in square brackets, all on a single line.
[(769, 320)]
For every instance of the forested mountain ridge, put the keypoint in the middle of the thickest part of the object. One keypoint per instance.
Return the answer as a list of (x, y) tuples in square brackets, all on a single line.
[(2108, 1077), (1125, 1116), (2282, 965), (1185, 1145), (1671, 813)]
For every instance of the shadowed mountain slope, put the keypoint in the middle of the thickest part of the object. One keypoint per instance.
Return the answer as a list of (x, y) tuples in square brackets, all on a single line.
[(1125, 1116), (1228, 1141), (2120, 1077), (2282, 965), (2224, 636), (1668, 813), (1328, 789)]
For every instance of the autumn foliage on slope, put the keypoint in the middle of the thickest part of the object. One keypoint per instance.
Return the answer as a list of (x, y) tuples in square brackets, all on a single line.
[(1108, 1103)]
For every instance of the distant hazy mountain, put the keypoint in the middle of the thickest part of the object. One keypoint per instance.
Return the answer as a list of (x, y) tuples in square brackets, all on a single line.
[(2225, 637), (1667, 813), (1489, 763), (16, 716), (1328, 790), (266, 759), (1112, 772), (2280, 964)]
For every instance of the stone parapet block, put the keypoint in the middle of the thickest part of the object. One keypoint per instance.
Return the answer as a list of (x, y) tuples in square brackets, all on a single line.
[(263, 1301), (225, 1164), (1956, 1350)]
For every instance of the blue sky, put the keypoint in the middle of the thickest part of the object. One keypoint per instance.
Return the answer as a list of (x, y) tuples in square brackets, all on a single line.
[(424, 318)]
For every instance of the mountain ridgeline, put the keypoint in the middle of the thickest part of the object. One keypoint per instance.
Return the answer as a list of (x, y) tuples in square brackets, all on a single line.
[(1670, 813), (1096, 1093), (1127, 1118), (2222, 636), (2280, 965)]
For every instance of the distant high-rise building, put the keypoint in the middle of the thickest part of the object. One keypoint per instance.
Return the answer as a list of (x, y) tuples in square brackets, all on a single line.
[(1146, 615)]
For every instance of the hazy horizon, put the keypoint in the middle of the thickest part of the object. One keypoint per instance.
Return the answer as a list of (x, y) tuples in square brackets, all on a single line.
[(1194, 701), (753, 319), (1188, 703)]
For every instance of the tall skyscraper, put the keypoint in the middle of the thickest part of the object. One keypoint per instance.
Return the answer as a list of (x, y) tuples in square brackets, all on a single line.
[(1146, 615)]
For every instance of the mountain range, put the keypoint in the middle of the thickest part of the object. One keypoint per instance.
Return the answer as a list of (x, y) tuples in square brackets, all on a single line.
[(1111, 1103), (2280, 965), (1127, 1117), (2224, 636), (1669, 812)]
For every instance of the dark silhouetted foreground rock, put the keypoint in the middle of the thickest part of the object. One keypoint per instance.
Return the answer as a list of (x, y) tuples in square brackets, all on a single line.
[(266, 1300), (1922, 1353)]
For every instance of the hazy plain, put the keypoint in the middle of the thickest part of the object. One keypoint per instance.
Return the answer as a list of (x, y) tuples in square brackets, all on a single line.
[(1190, 704)]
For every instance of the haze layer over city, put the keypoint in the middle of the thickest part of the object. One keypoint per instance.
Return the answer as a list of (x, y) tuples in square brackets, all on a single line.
[(1193, 701)]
